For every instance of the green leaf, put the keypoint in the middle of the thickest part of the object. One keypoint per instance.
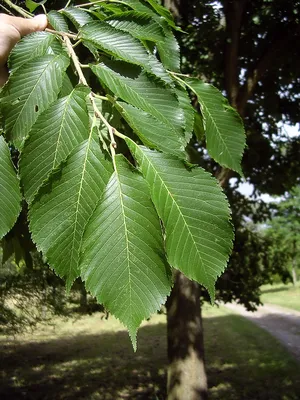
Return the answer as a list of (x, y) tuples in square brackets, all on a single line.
[(123, 260), (199, 127), (55, 134), (138, 5), (169, 51), (31, 46), (153, 132), (58, 218), (108, 9), (194, 212), (32, 5), (10, 196), (168, 47), (112, 116), (29, 91), (188, 110), (137, 88), (164, 12), (123, 46), (57, 21), (140, 25), (66, 87), (225, 135), (77, 16)]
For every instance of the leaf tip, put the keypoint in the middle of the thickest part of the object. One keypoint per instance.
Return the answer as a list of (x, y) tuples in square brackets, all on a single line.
[(69, 284), (133, 338), (212, 295)]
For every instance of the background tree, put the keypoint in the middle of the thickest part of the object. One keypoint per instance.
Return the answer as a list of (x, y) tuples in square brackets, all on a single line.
[(58, 224), (246, 48), (235, 45), (283, 230)]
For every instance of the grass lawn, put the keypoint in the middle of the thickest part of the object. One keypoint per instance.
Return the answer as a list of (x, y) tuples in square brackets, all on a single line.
[(282, 295), (92, 359)]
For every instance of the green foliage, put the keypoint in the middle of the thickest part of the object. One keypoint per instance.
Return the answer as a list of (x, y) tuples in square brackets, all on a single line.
[(120, 221), (228, 58), (32, 5), (222, 125), (55, 134), (10, 196), (123, 260), (283, 229), (30, 90), (194, 213)]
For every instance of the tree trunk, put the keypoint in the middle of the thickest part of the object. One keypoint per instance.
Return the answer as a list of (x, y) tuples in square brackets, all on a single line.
[(186, 372), (294, 274), (83, 299)]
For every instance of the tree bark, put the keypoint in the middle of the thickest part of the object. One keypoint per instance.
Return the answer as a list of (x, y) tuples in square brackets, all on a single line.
[(186, 372), (233, 10), (294, 274), (83, 299)]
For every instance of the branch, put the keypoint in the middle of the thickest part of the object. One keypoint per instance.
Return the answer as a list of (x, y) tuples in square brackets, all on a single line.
[(111, 129), (75, 60), (6, 10), (233, 10), (19, 10), (83, 81), (98, 2), (63, 34)]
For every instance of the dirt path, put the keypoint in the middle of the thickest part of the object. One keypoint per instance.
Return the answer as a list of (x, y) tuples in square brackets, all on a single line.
[(281, 322)]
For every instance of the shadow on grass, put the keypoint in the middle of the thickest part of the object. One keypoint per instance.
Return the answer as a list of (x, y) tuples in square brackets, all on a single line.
[(86, 366), (276, 289), (241, 366)]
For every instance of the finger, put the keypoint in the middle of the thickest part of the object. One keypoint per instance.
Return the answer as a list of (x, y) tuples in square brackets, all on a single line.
[(25, 26)]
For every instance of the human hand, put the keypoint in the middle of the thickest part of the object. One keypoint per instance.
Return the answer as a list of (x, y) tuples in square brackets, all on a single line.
[(11, 31)]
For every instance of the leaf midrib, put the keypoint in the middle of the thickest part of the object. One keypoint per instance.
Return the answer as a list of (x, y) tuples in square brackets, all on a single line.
[(126, 233), (78, 198), (33, 89), (179, 210), (155, 112), (218, 131), (61, 126)]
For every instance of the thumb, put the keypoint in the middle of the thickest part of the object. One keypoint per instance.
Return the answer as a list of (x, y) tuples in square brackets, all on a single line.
[(26, 26)]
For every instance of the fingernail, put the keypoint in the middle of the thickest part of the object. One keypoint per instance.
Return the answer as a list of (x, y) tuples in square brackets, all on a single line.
[(41, 21)]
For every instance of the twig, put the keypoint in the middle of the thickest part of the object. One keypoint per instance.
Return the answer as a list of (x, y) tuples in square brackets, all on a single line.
[(111, 129), (6, 9), (68, 3), (98, 96), (175, 75), (44, 9), (178, 74), (63, 34), (18, 9), (82, 80), (76, 44), (99, 1), (119, 134), (75, 60), (90, 3)]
